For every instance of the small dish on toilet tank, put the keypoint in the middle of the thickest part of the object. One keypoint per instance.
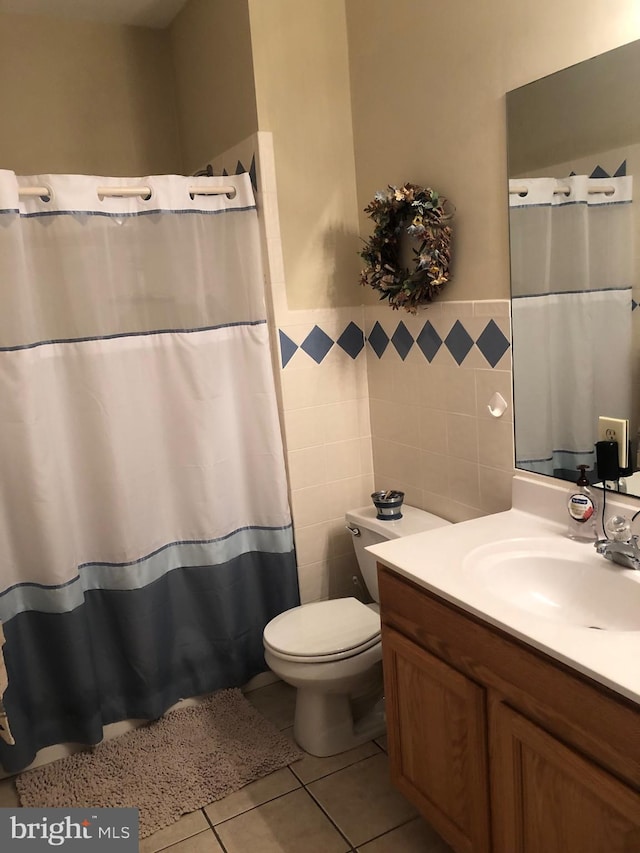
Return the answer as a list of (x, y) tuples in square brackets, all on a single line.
[(388, 504)]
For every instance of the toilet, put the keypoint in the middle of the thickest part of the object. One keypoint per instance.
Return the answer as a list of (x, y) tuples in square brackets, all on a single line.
[(331, 650)]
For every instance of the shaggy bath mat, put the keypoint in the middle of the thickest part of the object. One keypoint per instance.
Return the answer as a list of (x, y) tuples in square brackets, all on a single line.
[(177, 764)]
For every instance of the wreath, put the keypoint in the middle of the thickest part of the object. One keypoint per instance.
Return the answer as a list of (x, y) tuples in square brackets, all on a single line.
[(421, 214)]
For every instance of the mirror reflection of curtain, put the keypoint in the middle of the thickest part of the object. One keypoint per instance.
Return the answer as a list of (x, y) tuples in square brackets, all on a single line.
[(571, 274)]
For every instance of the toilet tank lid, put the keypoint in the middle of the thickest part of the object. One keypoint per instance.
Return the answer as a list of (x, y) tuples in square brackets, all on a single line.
[(413, 521)]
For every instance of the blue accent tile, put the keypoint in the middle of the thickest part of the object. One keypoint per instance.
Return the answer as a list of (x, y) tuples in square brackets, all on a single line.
[(225, 174), (253, 174), (458, 342), (429, 341), (240, 169), (492, 343), (351, 340), (621, 171), (634, 304), (599, 172), (402, 340), (378, 339), (317, 344), (287, 348)]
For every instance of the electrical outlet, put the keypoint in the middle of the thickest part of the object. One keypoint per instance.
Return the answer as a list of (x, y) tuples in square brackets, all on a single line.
[(616, 429)]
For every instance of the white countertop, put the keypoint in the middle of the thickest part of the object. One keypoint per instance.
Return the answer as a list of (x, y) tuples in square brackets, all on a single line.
[(437, 561)]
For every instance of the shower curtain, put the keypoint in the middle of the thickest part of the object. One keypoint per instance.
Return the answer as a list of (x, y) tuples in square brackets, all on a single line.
[(145, 532), (571, 272)]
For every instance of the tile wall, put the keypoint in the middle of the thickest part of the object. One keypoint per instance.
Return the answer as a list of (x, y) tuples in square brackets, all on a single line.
[(373, 398), (433, 435)]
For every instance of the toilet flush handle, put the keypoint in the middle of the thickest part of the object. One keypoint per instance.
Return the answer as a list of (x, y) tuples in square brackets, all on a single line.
[(354, 531)]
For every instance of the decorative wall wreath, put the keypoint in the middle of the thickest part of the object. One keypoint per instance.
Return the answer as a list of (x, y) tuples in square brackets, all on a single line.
[(421, 214)]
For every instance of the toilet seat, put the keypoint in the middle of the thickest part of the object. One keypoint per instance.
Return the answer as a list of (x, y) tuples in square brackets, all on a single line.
[(323, 631)]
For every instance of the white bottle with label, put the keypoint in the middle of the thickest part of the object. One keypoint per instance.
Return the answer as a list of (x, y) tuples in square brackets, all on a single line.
[(582, 507)]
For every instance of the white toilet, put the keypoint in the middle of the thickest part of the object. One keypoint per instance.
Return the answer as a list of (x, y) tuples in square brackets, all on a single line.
[(331, 650)]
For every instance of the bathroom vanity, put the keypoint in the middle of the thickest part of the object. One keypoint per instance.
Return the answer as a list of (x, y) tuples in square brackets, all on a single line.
[(512, 731)]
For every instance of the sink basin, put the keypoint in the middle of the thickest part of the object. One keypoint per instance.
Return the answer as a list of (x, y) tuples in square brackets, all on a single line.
[(559, 580)]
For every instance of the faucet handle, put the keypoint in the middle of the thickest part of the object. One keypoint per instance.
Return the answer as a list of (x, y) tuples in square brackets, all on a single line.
[(618, 528)]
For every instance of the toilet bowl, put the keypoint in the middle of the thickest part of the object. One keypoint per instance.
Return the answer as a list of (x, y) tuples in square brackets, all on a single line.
[(330, 651)]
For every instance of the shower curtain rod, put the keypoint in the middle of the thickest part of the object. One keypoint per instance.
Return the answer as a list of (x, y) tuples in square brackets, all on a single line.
[(564, 190), (102, 192)]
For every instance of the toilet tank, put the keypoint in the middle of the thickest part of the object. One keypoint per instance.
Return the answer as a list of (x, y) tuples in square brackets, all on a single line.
[(368, 529)]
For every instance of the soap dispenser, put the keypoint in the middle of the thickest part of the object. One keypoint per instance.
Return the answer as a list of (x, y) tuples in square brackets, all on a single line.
[(581, 506)]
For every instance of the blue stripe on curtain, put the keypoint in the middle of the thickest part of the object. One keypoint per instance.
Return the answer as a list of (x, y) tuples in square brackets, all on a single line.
[(64, 597), (137, 334), (127, 214), (195, 629)]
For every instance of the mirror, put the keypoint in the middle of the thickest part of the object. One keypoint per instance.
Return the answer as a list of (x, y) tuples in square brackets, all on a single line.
[(573, 151)]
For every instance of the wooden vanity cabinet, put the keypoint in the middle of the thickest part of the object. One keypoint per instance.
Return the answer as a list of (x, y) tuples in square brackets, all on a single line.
[(501, 748)]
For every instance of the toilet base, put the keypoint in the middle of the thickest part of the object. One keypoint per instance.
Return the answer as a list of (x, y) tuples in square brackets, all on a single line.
[(325, 723)]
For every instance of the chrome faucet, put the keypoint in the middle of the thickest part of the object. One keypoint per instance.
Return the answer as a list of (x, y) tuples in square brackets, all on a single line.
[(625, 554)]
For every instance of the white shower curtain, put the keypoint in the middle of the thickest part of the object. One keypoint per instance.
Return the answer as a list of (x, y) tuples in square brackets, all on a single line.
[(571, 271), (145, 533)]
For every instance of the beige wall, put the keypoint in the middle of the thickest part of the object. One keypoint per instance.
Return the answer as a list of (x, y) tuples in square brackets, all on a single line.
[(211, 45), (302, 89), (78, 97), (428, 97)]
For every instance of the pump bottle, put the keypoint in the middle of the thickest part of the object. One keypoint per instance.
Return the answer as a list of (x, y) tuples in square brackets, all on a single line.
[(582, 506)]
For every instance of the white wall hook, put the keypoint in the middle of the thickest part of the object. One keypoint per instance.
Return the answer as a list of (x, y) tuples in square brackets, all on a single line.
[(497, 405)]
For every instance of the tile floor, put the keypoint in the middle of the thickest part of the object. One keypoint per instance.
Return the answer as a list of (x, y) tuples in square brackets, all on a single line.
[(316, 805)]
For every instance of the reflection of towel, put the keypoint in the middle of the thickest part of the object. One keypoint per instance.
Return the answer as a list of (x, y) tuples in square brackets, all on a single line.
[(5, 731)]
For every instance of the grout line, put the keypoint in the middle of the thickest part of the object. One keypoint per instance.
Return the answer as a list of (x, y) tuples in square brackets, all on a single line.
[(252, 808), (331, 773), (213, 828), (393, 829), (330, 819), (219, 840)]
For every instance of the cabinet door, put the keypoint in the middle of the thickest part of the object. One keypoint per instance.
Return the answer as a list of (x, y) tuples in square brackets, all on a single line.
[(436, 721), (546, 797)]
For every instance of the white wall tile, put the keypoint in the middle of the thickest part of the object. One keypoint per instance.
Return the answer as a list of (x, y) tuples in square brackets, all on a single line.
[(312, 543), (433, 430), (464, 482), (342, 421), (305, 427), (355, 425), (495, 489), (310, 505), (313, 580), (495, 441), (307, 467), (462, 436), (342, 460)]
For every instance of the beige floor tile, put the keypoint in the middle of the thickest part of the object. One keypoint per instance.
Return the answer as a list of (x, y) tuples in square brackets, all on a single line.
[(291, 824), (188, 825), (310, 767), (414, 837), (276, 702), (8, 794), (361, 800), (382, 743), (203, 842), (254, 794)]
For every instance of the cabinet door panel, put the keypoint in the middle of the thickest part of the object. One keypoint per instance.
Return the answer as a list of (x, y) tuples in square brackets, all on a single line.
[(546, 797), (436, 721)]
